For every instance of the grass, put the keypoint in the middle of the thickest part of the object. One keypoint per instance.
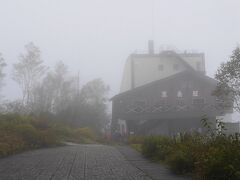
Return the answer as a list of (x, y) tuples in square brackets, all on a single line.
[(20, 133), (203, 156), (137, 147)]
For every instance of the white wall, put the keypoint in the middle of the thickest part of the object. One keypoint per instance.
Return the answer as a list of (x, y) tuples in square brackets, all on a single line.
[(126, 78), (193, 59), (146, 68)]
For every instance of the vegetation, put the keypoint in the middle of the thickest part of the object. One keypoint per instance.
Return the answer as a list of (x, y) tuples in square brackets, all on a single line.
[(2, 65), (19, 133), (209, 156), (54, 108), (136, 142), (228, 76), (55, 93), (28, 71)]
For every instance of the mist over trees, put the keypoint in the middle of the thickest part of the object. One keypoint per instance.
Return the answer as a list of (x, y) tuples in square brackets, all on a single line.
[(27, 72), (228, 76), (2, 65), (56, 93)]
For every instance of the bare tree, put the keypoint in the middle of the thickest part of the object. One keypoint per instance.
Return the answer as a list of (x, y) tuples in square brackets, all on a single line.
[(55, 91), (62, 86), (28, 71), (93, 98)]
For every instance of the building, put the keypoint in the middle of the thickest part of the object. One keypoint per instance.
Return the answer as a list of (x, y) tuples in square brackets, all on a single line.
[(141, 69), (164, 93), (231, 128)]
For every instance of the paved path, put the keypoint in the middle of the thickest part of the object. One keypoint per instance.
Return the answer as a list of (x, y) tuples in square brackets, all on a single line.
[(153, 170), (80, 162)]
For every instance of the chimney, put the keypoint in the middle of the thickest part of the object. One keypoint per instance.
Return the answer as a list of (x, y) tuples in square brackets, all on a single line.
[(150, 47)]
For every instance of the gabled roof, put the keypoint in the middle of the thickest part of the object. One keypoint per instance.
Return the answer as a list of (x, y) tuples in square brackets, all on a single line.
[(188, 72)]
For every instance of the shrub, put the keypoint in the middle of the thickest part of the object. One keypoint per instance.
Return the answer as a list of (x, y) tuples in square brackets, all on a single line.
[(208, 157), (86, 133), (29, 134), (48, 138), (157, 147), (137, 147), (18, 133), (149, 147), (10, 144), (221, 159), (180, 160), (62, 131), (136, 139), (41, 124)]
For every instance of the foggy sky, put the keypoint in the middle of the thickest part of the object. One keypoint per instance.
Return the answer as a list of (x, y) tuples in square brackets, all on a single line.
[(96, 36)]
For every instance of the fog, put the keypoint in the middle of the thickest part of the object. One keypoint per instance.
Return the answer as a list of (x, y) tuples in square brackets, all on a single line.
[(96, 80), (95, 37)]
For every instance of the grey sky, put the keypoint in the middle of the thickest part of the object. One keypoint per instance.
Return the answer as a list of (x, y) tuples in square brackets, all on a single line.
[(96, 36)]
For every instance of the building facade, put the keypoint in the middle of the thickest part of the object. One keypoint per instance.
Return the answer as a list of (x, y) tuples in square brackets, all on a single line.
[(164, 93)]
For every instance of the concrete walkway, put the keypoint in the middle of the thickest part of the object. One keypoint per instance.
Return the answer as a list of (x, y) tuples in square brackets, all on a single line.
[(153, 170), (81, 162)]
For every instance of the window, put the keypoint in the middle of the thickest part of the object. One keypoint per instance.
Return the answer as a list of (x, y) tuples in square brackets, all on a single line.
[(164, 94), (176, 67), (195, 93), (160, 67), (179, 94)]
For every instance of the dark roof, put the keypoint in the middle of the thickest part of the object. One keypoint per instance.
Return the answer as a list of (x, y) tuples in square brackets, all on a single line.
[(187, 72)]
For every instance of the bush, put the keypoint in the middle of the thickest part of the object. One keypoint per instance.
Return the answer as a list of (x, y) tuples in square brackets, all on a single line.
[(213, 155), (18, 133), (48, 138), (63, 131), (136, 139), (221, 159), (180, 161), (208, 157), (29, 134), (86, 133), (10, 144), (157, 147)]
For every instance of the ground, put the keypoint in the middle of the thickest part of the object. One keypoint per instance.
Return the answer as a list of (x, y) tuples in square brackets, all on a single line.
[(82, 162)]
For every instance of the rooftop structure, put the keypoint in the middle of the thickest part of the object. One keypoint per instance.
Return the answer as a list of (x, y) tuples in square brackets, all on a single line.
[(141, 69)]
